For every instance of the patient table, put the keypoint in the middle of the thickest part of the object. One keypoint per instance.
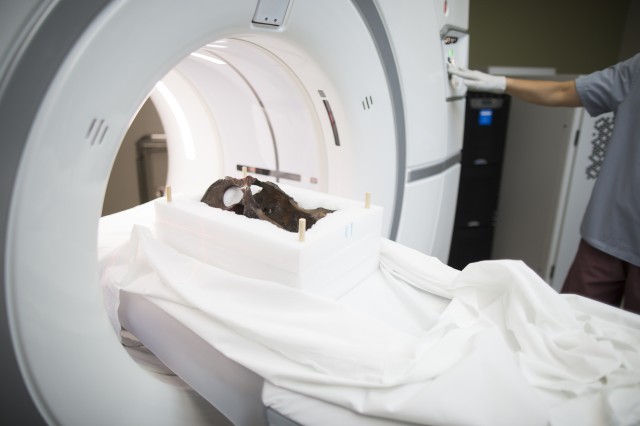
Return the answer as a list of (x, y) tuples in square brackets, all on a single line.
[(415, 343)]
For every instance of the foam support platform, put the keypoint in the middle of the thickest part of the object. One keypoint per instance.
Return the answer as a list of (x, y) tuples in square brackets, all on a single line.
[(339, 251)]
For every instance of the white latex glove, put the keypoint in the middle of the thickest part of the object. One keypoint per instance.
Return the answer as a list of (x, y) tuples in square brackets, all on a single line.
[(479, 81)]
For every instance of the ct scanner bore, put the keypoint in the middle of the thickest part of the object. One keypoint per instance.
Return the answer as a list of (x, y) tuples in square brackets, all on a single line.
[(82, 62)]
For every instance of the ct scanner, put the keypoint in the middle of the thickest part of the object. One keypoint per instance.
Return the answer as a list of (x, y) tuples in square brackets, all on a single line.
[(344, 96)]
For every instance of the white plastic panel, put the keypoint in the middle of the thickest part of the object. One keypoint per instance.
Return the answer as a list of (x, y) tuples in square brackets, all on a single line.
[(455, 48), (279, 129), (260, 114), (444, 231), (420, 213), (185, 118), (415, 45), (235, 109), (456, 113), (428, 213), (452, 14)]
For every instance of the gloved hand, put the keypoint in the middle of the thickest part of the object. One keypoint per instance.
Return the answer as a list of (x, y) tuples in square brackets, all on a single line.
[(479, 81)]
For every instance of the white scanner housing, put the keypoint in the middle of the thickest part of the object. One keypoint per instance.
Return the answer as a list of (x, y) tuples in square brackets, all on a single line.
[(344, 97)]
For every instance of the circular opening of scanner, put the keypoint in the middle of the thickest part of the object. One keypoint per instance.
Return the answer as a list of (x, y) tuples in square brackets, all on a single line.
[(53, 298), (228, 105)]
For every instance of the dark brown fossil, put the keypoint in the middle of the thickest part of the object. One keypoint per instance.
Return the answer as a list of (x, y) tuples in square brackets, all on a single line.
[(271, 203)]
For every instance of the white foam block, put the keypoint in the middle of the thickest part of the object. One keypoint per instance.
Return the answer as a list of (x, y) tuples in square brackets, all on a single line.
[(339, 251)]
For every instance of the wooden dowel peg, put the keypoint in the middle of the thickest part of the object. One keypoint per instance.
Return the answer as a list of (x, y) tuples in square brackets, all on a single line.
[(167, 192), (244, 172), (367, 200), (302, 227)]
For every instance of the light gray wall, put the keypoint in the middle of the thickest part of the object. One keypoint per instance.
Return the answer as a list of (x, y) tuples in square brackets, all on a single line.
[(572, 36)]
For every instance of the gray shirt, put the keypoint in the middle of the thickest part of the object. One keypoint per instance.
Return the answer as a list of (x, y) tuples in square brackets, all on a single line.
[(612, 220)]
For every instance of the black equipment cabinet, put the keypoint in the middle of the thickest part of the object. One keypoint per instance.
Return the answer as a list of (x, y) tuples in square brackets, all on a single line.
[(485, 132)]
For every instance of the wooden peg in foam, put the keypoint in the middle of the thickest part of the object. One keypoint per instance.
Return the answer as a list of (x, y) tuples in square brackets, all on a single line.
[(302, 227), (367, 200), (244, 171), (167, 192)]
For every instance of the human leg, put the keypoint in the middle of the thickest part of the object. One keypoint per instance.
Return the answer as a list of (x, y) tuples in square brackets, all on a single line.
[(596, 275), (632, 290)]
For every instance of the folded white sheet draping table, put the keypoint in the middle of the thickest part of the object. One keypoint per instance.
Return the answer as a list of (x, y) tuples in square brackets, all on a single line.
[(500, 348)]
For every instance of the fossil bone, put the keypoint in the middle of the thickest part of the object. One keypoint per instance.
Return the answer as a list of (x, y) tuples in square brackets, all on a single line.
[(271, 203)]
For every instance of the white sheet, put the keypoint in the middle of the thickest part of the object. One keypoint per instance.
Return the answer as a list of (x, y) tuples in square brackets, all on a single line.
[(505, 350)]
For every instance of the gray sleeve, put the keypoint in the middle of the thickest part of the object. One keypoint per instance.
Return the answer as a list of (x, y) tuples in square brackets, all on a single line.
[(602, 91)]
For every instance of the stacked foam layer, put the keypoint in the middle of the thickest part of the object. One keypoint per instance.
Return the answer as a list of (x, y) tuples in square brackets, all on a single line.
[(338, 252)]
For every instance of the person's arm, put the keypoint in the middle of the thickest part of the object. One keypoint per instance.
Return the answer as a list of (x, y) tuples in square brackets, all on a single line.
[(543, 92)]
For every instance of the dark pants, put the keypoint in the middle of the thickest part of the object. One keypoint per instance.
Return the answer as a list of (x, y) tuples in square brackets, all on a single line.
[(602, 277)]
